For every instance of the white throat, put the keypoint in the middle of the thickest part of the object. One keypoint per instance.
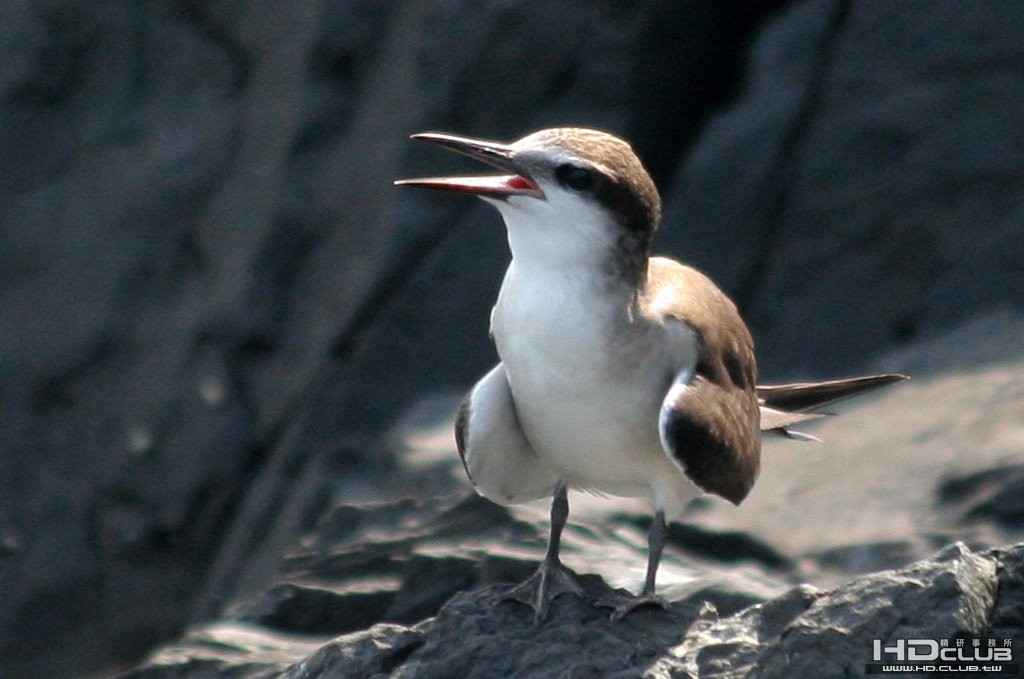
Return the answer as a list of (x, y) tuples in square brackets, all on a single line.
[(562, 230), (559, 304)]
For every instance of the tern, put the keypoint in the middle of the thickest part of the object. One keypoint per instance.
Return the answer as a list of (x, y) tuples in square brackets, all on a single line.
[(620, 372)]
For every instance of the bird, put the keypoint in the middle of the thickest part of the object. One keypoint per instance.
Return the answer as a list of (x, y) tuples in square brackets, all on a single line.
[(620, 372)]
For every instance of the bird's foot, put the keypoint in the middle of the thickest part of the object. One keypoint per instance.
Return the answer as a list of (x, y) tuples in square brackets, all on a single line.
[(622, 603), (541, 588)]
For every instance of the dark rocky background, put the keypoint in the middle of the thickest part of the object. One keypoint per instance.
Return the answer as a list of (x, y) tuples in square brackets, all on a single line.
[(221, 323)]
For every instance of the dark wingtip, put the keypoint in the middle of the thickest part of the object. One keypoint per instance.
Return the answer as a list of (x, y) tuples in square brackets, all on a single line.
[(462, 435), (803, 396)]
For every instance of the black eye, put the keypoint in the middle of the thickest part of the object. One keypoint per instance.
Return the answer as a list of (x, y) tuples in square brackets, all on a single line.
[(574, 177)]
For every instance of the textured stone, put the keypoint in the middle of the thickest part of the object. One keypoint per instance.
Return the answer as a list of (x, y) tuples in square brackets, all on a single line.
[(799, 631), (865, 175)]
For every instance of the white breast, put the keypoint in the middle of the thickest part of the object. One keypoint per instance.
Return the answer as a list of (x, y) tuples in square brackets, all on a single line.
[(587, 385)]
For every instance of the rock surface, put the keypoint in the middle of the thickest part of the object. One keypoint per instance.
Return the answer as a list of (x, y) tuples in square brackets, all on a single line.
[(215, 306), (397, 564)]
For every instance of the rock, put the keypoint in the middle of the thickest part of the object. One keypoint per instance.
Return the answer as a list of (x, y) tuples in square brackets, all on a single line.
[(469, 632), (820, 182), (378, 572), (995, 495)]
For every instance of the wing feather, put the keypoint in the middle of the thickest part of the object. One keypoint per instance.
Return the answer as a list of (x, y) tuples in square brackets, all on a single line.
[(497, 457), (710, 419)]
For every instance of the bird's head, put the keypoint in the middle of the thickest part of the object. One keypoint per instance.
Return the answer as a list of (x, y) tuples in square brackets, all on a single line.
[(566, 194)]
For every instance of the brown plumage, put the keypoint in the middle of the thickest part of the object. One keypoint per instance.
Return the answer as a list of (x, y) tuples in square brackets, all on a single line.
[(711, 428)]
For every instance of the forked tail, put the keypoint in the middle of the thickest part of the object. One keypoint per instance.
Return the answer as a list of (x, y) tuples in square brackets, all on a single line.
[(783, 405)]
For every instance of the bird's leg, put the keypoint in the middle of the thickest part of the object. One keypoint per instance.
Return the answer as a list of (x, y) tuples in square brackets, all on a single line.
[(551, 578), (655, 546), (623, 604)]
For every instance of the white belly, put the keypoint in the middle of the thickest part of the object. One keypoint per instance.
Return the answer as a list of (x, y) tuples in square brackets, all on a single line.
[(585, 403)]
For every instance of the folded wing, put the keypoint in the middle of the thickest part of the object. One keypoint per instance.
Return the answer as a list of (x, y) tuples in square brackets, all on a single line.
[(498, 459)]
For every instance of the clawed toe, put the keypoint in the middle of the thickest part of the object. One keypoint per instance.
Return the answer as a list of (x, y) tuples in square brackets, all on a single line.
[(541, 588), (622, 603)]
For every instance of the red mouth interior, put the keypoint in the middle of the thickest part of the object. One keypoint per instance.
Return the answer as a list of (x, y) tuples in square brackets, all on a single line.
[(517, 182), (501, 185)]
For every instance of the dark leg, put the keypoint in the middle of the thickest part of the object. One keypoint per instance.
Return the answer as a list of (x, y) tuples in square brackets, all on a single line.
[(551, 578), (623, 604), (655, 545)]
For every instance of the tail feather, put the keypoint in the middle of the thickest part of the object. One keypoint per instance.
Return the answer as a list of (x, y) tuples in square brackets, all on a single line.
[(783, 405), (801, 396)]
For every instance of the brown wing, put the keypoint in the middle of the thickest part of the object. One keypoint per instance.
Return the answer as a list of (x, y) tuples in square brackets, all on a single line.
[(710, 419)]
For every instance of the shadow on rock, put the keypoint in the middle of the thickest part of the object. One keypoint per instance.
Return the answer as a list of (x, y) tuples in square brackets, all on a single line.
[(414, 590)]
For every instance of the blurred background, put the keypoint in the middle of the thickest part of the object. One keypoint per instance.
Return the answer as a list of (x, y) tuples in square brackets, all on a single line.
[(215, 307)]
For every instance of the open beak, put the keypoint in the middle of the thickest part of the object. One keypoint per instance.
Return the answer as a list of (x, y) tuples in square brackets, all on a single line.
[(515, 183)]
